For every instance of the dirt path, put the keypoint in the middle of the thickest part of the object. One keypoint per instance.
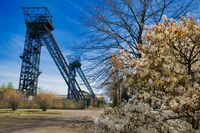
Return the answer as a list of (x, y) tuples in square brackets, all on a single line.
[(59, 121)]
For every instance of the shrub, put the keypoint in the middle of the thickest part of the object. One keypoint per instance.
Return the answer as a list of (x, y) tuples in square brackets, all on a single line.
[(44, 100), (72, 104), (13, 98), (57, 103)]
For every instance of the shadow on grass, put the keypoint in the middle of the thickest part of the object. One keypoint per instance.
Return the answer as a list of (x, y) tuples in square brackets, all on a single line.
[(29, 122)]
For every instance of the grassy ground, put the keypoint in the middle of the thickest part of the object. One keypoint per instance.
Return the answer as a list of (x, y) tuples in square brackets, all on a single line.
[(52, 121)]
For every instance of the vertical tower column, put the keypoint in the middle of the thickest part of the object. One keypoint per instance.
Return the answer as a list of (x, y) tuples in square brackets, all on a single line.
[(30, 64)]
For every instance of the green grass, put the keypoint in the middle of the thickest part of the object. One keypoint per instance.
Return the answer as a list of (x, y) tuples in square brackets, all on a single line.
[(26, 111), (5, 111)]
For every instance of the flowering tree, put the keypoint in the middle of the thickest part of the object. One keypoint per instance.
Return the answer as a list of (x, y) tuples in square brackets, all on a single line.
[(164, 83), (116, 25)]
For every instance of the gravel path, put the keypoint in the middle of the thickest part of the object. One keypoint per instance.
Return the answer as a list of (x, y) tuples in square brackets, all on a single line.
[(54, 121)]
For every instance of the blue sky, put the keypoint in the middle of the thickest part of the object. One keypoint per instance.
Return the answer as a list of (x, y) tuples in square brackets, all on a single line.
[(68, 16)]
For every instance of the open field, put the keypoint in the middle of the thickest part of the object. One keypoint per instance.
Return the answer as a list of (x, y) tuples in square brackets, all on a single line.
[(52, 121)]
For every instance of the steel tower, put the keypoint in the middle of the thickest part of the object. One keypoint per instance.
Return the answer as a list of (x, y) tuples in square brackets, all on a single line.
[(39, 26), (75, 67)]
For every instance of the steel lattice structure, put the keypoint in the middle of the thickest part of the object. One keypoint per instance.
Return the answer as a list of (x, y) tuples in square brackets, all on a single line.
[(75, 66), (39, 26)]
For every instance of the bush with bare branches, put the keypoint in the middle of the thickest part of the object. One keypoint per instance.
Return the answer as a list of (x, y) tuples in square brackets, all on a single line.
[(44, 100), (13, 98)]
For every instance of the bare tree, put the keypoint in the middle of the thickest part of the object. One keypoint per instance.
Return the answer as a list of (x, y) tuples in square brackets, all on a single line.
[(114, 89), (120, 24)]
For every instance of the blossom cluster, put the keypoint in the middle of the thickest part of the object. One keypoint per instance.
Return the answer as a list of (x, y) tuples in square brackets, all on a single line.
[(164, 83)]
